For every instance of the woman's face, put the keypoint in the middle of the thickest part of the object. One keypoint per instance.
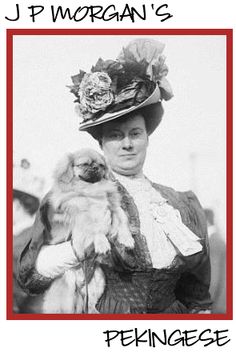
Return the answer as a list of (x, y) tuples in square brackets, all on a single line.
[(124, 144)]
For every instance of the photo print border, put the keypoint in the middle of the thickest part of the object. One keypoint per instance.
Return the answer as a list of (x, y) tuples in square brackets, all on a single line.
[(227, 33)]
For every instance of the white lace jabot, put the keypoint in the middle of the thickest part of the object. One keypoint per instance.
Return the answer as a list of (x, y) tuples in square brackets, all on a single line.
[(160, 223)]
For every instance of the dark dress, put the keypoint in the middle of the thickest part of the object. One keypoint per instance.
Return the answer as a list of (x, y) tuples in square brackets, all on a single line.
[(132, 284)]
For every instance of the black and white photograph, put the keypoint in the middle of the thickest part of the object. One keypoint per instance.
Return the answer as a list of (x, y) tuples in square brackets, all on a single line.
[(119, 174)]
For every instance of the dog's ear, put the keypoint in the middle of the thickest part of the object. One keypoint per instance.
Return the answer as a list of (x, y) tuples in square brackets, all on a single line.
[(63, 172), (107, 169)]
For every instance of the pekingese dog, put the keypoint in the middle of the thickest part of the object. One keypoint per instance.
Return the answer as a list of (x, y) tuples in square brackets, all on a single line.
[(86, 208)]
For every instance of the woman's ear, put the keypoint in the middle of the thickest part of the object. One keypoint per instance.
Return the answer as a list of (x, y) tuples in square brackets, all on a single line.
[(100, 143), (64, 170)]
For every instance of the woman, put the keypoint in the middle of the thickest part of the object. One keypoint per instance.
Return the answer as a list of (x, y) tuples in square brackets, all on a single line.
[(168, 271)]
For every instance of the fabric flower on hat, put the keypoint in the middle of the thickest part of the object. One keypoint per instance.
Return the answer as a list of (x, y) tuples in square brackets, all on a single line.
[(95, 93)]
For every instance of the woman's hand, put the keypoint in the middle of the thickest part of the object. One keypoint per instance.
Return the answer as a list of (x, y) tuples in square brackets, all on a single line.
[(54, 260)]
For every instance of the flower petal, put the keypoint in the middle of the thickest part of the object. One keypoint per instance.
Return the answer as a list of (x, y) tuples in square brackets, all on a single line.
[(165, 88), (142, 49)]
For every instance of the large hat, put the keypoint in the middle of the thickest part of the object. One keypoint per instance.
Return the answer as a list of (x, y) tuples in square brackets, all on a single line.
[(135, 81)]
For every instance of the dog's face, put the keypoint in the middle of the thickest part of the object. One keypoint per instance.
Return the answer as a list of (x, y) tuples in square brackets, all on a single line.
[(89, 166), (86, 164)]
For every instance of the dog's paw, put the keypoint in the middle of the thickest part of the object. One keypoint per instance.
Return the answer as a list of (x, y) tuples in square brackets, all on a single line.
[(125, 238), (69, 213), (62, 218), (58, 217), (101, 245)]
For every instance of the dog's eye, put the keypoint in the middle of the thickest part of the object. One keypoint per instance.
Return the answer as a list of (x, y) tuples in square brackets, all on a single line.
[(101, 165), (82, 164)]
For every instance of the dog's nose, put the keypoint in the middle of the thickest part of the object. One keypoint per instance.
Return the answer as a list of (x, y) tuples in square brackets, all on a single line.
[(95, 167)]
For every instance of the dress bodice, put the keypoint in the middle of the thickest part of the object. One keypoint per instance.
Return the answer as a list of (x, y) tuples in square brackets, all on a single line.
[(161, 226), (147, 279)]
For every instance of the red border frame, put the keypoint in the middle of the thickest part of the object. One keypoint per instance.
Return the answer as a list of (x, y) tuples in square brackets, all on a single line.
[(228, 33)]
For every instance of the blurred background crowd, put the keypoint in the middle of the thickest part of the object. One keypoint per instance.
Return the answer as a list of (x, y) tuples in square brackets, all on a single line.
[(28, 190)]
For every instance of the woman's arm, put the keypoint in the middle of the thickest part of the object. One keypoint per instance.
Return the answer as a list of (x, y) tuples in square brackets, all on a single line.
[(38, 264), (193, 286)]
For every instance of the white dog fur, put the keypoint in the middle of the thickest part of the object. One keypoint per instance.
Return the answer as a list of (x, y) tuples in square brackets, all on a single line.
[(90, 212)]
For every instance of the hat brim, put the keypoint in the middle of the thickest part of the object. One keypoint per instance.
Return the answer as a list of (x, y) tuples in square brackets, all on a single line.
[(151, 109)]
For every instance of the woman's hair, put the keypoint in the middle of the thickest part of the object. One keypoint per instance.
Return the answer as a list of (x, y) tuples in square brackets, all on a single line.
[(152, 115), (98, 130)]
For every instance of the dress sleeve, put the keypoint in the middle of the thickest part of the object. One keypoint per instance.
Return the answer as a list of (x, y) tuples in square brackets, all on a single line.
[(193, 286), (38, 265), (28, 277), (121, 258)]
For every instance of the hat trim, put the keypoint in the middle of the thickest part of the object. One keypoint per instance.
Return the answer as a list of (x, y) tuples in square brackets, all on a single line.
[(152, 99)]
